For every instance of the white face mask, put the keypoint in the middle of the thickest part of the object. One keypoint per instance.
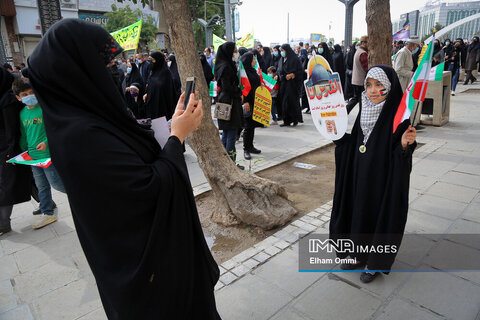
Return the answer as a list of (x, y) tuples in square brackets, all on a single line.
[(169, 63), (235, 57)]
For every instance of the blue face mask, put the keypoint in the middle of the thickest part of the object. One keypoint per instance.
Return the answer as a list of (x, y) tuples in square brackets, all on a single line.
[(129, 70), (136, 61), (30, 100), (283, 54), (447, 43), (415, 51), (275, 53), (320, 50)]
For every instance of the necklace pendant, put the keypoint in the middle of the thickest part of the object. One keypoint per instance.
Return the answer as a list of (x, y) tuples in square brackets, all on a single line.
[(362, 148)]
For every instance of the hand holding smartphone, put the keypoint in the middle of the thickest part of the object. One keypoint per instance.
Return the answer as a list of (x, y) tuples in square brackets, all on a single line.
[(189, 89)]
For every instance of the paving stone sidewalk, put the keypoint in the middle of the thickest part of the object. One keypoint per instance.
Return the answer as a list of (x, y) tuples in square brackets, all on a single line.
[(263, 282), (44, 274)]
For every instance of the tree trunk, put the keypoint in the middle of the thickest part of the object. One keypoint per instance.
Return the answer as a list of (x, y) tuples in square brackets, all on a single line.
[(379, 28), (240, 196)]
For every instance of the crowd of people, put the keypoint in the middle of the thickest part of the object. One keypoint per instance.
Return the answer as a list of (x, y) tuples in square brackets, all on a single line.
[(118, 178)]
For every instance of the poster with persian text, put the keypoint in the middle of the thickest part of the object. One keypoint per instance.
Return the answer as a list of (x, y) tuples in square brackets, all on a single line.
[(325, 97)]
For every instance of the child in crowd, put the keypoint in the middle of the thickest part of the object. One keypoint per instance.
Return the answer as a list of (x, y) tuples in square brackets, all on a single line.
[(34, 140), (272, 73)]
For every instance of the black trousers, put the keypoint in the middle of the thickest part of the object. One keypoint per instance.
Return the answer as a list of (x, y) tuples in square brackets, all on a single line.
[(5, 213), (357, 95), (469, 76), (248, 136)]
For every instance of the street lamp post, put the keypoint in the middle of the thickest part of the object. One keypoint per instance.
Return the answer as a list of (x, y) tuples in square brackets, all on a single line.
[(208, 28), (348, 20)]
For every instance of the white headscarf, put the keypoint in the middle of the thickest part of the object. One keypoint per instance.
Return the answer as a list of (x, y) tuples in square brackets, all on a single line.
[(371, 111)]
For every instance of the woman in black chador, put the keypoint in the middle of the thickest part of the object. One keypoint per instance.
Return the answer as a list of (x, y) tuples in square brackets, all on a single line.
[(161, 96), (291, 74), (133, 96), (372, 175), (131, 201), (248, 102)]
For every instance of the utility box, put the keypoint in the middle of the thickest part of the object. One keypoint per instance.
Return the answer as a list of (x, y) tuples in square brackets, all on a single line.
[(435, 110)]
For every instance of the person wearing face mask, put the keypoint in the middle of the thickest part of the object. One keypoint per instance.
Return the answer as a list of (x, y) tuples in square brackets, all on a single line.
[(33, 138), (360, 68), (473, 58), (277, 63), (403, 63), (134, 77), (324, 51), (160, 100), (229, 92), (144, 66), (448, 50), (291, 75)]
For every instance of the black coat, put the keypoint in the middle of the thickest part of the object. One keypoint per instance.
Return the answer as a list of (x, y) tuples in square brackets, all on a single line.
[(227, 82), (15, 181), (371, 188), (132, 202)]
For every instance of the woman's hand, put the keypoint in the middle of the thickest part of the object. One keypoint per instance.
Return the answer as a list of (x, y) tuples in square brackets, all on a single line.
[(246, 106), (145, 97), (42, 146), (409, 137), (186, 121)]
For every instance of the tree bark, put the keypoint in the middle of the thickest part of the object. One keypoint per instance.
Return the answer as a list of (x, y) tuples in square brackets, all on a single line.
[(379, 26), (240, 196)]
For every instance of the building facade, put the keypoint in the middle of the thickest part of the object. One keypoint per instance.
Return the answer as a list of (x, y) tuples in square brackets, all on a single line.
[(445, 13), (20, 31)]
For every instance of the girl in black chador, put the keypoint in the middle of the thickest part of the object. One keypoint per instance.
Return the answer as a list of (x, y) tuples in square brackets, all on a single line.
[(372, 175)]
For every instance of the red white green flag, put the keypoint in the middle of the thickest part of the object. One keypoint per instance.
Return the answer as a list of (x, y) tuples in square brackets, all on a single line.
[(24, 158), (213, 89), (243, 80), (416, 89), (268, 81), (265, 78)]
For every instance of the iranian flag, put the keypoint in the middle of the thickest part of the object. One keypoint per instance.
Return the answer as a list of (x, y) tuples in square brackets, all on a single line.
[(268, 82), (265, 78), (243, 79), (436, 73), (213, 89), (24, 158), (416, 89)]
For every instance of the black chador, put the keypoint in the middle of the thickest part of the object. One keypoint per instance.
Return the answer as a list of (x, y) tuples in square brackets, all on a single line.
[(132, 202), (161, 96), (372, 179)]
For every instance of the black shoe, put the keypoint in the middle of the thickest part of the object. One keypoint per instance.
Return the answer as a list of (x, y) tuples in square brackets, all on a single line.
[(295, 124), (5, 229), (37, 212), (246, 155), (255, 151), (465, 83), (240, 167), (367, 277), (285, 125), (352, 266)]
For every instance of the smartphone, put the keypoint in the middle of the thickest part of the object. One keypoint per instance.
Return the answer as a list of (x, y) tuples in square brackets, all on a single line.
[(189, 89)]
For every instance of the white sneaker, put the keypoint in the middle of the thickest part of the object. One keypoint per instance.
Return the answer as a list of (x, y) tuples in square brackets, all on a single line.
[(453, 93), (44, 220)]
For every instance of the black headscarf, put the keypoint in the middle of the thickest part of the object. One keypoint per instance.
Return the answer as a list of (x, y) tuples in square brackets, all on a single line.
[(133, 76), (161, 96), (252, 75), (175, 76), (291, 62), (223, 61), (207, 70), (131, 201), (242, 51), (260, 60), (326, 54), (350, 55), (267, 57), (474, 45), (371, 188)]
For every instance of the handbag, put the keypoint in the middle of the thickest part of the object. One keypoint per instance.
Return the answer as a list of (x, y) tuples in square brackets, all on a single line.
[(223, 111)]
